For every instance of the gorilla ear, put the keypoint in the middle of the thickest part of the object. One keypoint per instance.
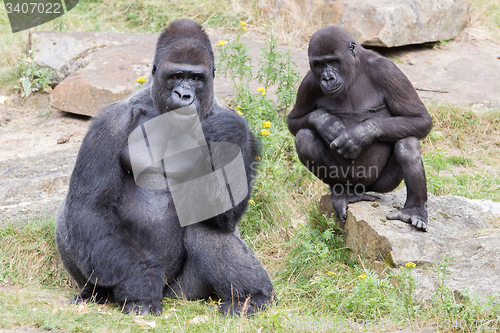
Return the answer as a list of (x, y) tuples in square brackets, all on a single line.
[(353, 49), (153, 72)]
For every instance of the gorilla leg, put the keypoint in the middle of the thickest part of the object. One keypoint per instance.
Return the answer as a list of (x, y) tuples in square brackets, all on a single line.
[(319, 159), (223, 263), (408, 156)]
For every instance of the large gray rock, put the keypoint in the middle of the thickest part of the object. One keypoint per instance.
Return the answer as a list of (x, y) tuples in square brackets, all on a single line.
[(466, 230), (96, 69), (65, 53), (384, 23)]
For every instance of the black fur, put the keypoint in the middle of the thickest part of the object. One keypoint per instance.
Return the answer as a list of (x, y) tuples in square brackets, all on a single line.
[(124, 243), (357, 111)]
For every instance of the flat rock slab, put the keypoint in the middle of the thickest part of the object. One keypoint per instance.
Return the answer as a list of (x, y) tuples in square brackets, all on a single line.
[(457, 73), (36, 185), (466, 230)]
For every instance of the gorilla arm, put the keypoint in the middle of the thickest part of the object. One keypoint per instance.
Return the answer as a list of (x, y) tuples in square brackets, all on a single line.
[(104, 253), (228, 127), (409, 115), (305, 113)]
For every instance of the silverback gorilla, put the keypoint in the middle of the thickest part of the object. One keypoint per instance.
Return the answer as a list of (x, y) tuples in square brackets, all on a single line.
[(123, 243), (357, 123)]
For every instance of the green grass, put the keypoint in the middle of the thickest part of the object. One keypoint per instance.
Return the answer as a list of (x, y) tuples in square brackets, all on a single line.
[(470, 153)]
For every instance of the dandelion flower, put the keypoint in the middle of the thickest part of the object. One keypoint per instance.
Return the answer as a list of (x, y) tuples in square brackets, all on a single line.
[(141, 80), (362, 276), (262, 90), (251, 202), (265, 132), (410, 264), (239, 112), (222, 43), (266, 124), (243, 24), (243, 28)]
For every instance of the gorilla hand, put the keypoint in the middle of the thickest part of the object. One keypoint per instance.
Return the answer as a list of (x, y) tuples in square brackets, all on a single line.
[(354, 139), (328, 126)]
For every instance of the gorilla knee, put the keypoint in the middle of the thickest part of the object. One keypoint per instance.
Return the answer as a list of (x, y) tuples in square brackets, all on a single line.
[(407, 151), (303, 140)]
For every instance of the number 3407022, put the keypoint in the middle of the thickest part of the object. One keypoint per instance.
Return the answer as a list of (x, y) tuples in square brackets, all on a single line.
[(34, 8)]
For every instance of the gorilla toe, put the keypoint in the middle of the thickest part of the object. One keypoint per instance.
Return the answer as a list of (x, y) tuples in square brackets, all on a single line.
[(91, 293), (143, 307), (416, 216)]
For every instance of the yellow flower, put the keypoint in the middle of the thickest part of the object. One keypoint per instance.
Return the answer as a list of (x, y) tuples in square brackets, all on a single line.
[(264, 132), (362, 276), (251, 202), (410, 264), (257, 157), (264, 25), (141, 80), (222, 43), (243, 24), (266, 124), (239, 112), (243, 28), (331, 273), (262, 90)]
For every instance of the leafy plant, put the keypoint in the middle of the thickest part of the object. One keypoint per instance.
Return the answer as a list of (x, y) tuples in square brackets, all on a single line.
[(31, 76)]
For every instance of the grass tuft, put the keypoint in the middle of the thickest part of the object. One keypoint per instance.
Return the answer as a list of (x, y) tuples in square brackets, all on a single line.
[(28, 254)]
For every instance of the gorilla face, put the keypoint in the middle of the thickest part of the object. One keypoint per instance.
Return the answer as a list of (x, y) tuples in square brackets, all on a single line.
[(178, 85), (332, 59), (327, 71), (183, 71)]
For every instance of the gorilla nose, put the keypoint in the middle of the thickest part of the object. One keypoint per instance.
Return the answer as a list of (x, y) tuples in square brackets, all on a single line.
[(181, 97), (183, 94)]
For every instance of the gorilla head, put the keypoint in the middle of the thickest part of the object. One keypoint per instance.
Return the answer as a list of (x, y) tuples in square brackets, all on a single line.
[(332, 60), (183, 68)]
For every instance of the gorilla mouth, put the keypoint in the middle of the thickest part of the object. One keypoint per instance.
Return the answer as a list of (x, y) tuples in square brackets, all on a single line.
[(334, 89)]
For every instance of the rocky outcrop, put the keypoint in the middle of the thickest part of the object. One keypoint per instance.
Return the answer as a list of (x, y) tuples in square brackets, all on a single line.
[(385, 23), (466, 230)]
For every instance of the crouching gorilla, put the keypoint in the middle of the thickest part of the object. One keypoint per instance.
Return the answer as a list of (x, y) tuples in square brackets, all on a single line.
[(124, 243), (357, 122)]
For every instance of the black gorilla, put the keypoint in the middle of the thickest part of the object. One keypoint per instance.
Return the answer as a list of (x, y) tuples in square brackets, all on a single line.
[(124, 243), (357, 122)]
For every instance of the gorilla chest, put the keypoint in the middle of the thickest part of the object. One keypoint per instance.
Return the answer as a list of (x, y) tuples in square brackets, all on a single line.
[(367, 106), (145, 206)]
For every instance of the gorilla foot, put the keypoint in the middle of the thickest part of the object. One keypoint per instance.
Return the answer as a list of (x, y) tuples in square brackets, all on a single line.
[(94, 294), (417, 216), (341, 201), (143, 307), (252, 305)]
